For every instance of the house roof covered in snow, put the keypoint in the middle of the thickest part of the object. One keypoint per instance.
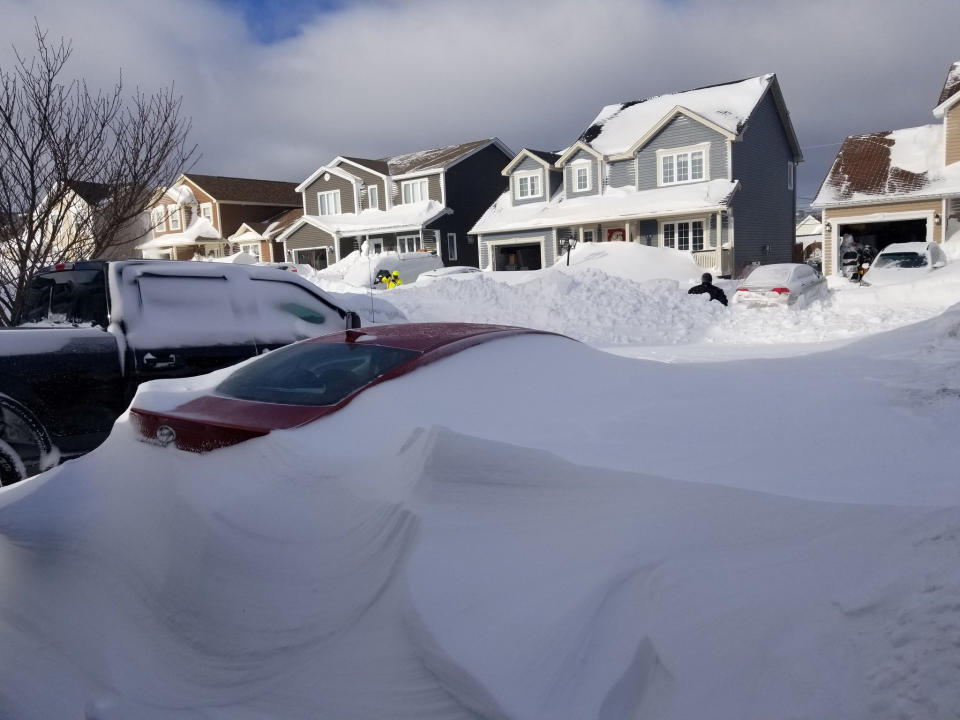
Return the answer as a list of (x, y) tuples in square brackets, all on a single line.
[(268, 229), (618, 128), (613, 205), (247, 190), (951, 86), (425, 160), (908, 164), (409, 216)]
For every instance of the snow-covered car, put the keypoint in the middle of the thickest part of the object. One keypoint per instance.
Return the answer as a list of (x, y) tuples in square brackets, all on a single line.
[(300, 268), (904, 262), (301, 383), (431, 275), (788, 284)]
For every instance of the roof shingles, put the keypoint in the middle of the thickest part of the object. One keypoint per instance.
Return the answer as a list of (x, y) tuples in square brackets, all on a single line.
[(231, 189)]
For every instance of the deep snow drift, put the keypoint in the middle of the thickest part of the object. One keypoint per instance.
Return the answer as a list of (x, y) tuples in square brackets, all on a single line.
[(529, 549)]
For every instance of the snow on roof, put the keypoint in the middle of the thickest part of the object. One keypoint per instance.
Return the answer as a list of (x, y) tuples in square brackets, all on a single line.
[(199, 230), (614, 204), (409, 216), (896, 163), (951, 86), (618, 127), (182, 194)]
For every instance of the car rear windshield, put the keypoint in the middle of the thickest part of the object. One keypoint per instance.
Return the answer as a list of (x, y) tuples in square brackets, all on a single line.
[(900, 260), (76, 297), (313, 373), (770, 275)]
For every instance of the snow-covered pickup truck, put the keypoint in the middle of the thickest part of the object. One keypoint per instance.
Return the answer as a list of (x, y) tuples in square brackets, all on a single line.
[(91, 332)]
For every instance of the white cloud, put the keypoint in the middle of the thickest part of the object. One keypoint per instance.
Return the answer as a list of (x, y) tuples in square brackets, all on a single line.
[(388, 77)]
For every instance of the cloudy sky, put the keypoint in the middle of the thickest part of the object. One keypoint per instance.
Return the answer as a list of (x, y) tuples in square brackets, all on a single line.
[(277, 87)]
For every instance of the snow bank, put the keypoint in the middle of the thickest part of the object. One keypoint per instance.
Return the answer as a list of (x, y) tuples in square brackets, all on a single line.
[(359, 269)]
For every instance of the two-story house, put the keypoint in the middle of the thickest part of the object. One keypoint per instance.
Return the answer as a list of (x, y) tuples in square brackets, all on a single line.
[(709, 171), (422, 201), (896, 185), (198, 213)]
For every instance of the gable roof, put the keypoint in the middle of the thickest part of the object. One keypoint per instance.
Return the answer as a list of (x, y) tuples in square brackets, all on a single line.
[(378, 166), (907, 163), (269, 228), (950, 95), (544, 158), (951, 85), (438, 158), (238, 190), (727, 106), (91, 192)]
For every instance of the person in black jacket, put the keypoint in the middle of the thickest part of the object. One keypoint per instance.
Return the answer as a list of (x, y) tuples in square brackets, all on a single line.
[(706, 286)]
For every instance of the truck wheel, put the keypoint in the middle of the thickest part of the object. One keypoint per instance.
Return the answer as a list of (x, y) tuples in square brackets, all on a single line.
[(25, 444), (11, 469)]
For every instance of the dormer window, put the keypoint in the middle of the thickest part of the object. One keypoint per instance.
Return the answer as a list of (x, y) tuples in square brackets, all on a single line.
[(527, 185), (328, 203), (581, 175), (682, 165), (173, 215), (373, 200), (415, 191)]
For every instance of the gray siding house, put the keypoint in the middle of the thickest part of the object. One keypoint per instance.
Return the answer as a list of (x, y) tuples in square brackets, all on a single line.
[(425, 201), (709, 171)]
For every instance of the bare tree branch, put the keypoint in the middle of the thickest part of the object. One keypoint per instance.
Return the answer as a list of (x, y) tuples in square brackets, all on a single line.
[(77, 168)]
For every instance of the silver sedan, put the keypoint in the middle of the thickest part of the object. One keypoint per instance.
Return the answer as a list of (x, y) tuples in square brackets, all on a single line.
[(787, 284)]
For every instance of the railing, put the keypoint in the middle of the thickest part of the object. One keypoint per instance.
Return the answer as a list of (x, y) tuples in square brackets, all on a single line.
[(715, 260)]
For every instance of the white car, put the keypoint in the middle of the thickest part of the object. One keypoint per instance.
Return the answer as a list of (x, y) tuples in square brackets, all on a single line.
[(904, 262), (788, 284), (431, 275)]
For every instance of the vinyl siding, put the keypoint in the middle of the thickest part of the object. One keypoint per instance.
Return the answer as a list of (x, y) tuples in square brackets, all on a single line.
[(763, 208), (623, 173), (544, 236), (369, 180), (307, 236), (202, 197), (569, 175), (528, 165), (835, 216), (952, 132), (681, 132), (347, 198)]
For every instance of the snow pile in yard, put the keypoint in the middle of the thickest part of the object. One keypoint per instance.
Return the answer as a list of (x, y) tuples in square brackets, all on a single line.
[(359, 269), (500, 554)]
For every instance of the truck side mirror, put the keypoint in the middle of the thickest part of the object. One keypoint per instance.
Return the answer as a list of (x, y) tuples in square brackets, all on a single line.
[(938, 264), (353, 320)]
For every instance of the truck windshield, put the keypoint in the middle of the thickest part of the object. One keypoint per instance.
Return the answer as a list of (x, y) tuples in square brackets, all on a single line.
[(75, 297)]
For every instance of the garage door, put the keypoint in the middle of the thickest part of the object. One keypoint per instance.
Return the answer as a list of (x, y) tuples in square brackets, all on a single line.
[(518, 257)]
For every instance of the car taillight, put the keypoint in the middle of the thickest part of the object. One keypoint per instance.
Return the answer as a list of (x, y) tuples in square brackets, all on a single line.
[(743, 289), (781, 291), (63, 266)]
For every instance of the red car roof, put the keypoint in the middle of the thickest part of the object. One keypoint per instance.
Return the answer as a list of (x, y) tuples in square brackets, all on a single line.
[(422, 337)]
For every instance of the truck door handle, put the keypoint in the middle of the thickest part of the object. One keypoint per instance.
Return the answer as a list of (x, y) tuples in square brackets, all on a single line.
[(152, 361)]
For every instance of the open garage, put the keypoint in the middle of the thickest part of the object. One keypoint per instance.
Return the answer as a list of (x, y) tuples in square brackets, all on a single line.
[(880, 234), (528, 256)]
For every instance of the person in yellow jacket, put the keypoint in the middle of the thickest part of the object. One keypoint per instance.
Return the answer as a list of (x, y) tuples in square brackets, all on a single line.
[(395, 280)]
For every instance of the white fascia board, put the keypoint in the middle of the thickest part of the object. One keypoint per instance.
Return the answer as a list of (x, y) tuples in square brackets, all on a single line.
[(572, 150), (340, 159), (940, 110), (417, 174), (245, 228), (325, 169), (520, 156), (677, 110)]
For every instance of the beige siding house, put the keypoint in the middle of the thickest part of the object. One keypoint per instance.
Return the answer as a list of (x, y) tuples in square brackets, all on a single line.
[(896, 185), (198, 215)]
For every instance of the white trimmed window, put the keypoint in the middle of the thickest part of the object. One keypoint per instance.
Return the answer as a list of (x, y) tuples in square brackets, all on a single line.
[(688, 235), (373, 197), (206, 211), (408, 243), (328, 203), (527, 185), (581, 176), (452, 246), (173, 213), (158, 219), (415, 191), (683, 165)]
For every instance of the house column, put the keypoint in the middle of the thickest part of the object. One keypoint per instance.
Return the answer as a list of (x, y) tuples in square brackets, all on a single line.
[(626, 232)]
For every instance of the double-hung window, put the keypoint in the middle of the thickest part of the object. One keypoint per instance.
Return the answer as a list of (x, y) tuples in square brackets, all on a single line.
[(159, 217), (682, 165), (581, 176), (328, 203), (373, 197), (173, 213), (206, 211), (528, 185), (415, 191), (687, 235)]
